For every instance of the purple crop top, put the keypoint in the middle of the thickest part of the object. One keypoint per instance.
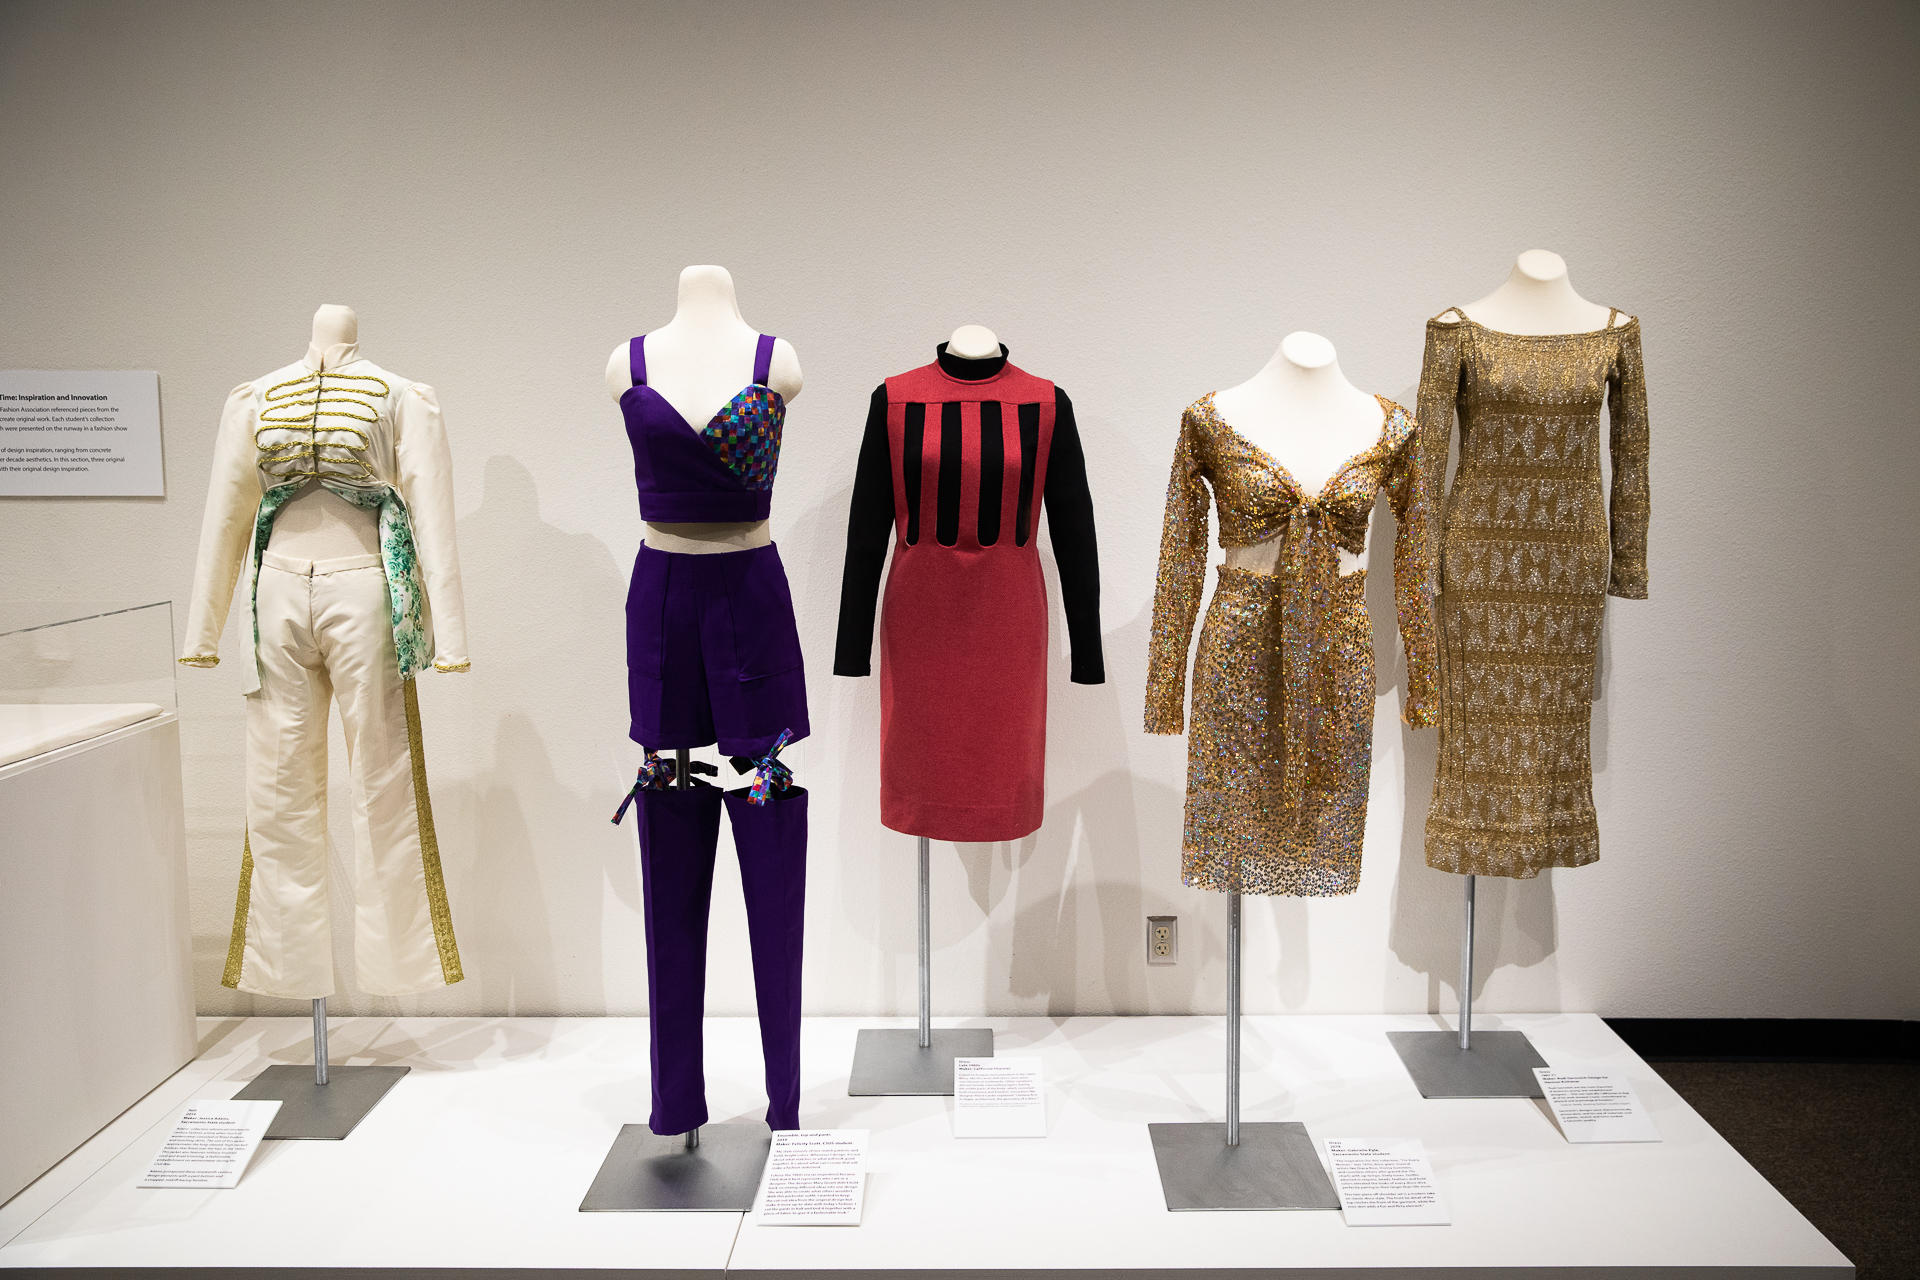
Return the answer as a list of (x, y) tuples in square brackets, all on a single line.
[(719, 473)]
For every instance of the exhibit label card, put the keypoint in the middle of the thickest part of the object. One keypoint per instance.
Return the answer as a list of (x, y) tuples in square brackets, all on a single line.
[(998, 1098), (211, 1144), (1385, 1184), (814, 1178), (86, 433), (1592, 1106)]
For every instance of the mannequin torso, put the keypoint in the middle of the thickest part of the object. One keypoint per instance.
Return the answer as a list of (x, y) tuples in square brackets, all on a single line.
[(317, 524), (1304, 414), (1538, 299), (697, 363)]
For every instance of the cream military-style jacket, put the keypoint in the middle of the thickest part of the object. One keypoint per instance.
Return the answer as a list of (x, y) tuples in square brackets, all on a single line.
[(369, 436)]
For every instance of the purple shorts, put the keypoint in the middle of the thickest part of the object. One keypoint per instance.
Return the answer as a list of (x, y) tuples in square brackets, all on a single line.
[(712, 652)]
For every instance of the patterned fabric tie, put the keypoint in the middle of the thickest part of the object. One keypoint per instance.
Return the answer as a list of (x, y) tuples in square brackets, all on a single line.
[(654, 775), (1310, 571), (769, 775)]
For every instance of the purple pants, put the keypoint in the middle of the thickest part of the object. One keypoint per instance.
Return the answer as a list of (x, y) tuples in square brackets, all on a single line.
[(712, 652), (679, 831), (713, 656)]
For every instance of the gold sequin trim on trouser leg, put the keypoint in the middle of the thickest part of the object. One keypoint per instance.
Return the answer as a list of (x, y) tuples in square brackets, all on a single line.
[(1239, 837), (236, 949), (430, 846)]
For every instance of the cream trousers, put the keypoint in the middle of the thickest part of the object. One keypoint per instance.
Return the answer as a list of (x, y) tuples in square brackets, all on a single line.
[(326, 634)]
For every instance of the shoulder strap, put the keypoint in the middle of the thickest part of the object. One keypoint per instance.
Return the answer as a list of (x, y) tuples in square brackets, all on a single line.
[(637, 360), (763, 360), (1457, 311)]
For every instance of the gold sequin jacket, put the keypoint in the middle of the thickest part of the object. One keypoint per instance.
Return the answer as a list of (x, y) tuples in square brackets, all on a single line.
[(1258, 500), (369, 436)]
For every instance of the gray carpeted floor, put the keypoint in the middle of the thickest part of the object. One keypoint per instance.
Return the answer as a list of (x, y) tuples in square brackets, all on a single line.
[(1840, 1141)]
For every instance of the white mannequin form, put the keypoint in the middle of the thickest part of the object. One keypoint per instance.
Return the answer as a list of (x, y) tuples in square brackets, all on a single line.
[(316, 524), (973, 342), (1304, 414), (1538, 299), (697, 362)]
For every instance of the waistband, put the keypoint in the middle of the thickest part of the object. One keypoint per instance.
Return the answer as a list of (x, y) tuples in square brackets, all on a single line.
[(715, 559), (318, 568), (707, 506)]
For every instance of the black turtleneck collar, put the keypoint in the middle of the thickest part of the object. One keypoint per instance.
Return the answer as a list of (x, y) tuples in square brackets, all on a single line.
[(971, 370)]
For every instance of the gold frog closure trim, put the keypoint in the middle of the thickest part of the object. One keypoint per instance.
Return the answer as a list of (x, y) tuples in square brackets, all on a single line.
[(293, 442)]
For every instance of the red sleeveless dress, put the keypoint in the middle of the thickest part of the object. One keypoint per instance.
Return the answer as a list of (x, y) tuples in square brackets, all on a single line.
[(963, 633)]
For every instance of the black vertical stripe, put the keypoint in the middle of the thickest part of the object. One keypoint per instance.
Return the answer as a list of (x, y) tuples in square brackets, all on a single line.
[(910, 467), (946, 510), (1029, 453), (993, 465)]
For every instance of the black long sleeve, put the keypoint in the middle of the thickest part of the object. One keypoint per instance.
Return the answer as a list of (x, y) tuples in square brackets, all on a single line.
[(869, 529), (1070, 520)]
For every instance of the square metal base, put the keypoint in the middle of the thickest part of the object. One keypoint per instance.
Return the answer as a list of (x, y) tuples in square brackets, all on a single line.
[(1499, 1065), (647, 1173), (326, 1111), (1274, 1167), (892, 1062)]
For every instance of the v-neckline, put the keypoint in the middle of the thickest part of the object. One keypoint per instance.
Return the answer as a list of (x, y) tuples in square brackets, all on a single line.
[(1318, 499), (699, 431)]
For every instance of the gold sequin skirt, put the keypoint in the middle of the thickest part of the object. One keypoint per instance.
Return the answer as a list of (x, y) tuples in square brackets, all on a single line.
[(1519, 631), (1238, 837)]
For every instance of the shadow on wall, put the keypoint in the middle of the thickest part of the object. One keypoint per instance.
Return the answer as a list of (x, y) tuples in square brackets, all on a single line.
[(1082, 884), (542, 853), (1515, 921)]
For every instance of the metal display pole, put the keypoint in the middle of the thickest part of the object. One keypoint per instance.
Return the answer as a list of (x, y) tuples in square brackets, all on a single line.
[(325, 1102), (320, 1040), (1233, 1019), (918, 1062), (1460, 1064), (1466, 975), (1265, 1165), (648, 1172), (926, 945)]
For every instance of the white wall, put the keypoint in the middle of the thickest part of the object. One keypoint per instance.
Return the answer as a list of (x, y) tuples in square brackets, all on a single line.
[(1141, 200)]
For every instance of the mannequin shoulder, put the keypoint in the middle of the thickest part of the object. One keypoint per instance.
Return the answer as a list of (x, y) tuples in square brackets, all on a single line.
[(619, 371), (783, 371)]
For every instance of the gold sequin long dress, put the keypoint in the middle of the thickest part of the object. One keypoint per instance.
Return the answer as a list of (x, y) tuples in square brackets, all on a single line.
[(1283, 685), (1529, 553)]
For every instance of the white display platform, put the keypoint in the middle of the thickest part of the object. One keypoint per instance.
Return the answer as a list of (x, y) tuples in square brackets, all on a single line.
[(96, 969), (478, 1159), (28, 729)]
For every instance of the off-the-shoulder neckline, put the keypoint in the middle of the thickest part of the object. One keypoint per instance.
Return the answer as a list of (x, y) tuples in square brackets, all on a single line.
[(1529, 337)]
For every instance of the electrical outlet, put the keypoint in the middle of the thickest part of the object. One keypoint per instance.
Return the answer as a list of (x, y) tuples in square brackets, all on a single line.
[(1163, 939)]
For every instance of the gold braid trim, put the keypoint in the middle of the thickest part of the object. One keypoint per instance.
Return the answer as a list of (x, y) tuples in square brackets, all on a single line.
[(201, 660), (430, 846), (237, 949)]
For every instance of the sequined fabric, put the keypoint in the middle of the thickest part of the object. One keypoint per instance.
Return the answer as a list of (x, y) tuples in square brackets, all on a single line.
[(746, 435), (1530, 551), (1281, 739)]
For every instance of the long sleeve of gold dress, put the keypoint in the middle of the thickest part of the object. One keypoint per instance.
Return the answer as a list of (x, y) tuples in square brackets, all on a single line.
[(1530, 550), (1281, 740)]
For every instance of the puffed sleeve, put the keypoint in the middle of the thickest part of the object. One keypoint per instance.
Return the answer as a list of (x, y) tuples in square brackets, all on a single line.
[(1182, 577), (1412, 497), (426, 486), (1627, 441), (1076, 554), (233, 496)]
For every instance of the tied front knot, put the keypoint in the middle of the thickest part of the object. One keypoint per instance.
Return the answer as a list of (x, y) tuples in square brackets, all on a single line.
[(769, 774), (1309, 576)]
